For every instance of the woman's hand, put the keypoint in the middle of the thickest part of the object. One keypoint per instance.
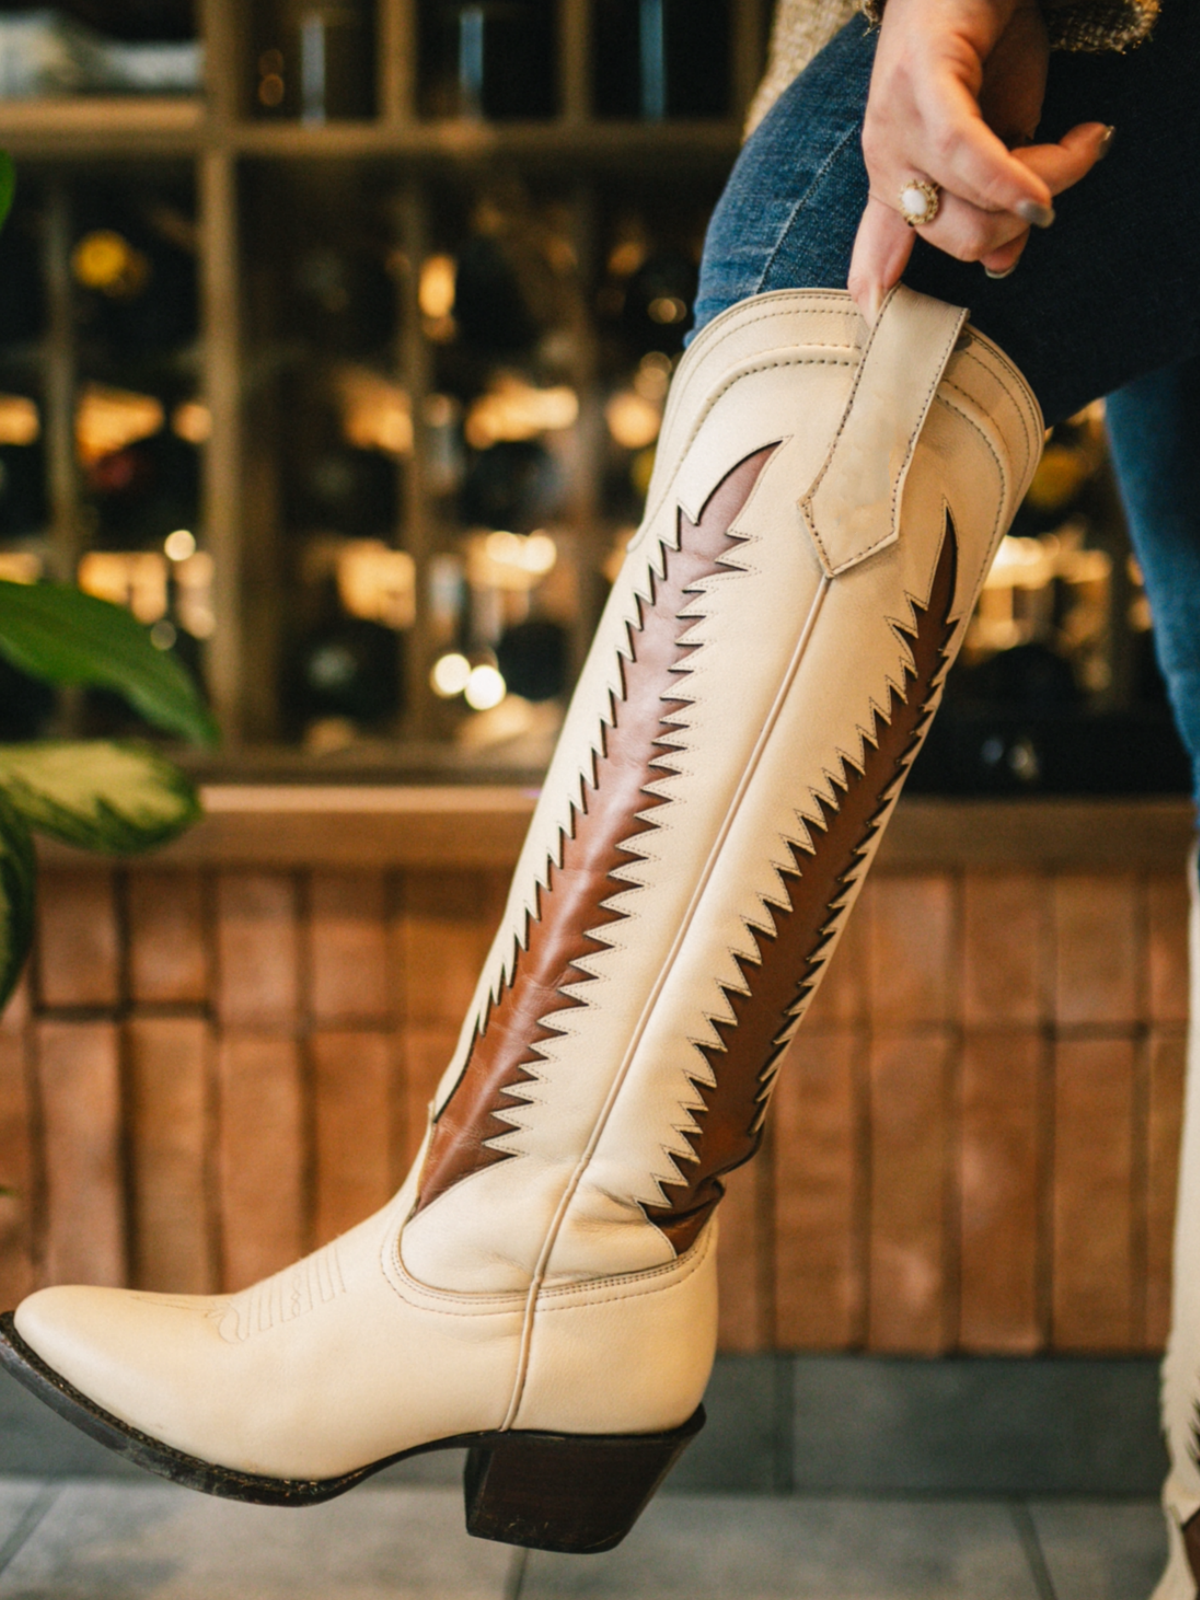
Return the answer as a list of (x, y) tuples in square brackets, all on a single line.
[(956, 97)]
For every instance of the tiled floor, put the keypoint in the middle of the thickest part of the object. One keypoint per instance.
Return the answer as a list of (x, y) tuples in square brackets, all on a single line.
[(81, 1539)]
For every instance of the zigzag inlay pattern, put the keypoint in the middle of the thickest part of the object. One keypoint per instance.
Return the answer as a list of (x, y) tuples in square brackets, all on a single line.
[(646, 722), (791, 940)]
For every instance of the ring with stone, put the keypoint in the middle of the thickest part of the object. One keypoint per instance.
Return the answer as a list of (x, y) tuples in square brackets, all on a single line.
[(920, 202)]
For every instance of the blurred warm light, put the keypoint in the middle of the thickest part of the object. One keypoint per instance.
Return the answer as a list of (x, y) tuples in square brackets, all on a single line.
[(436, 289), (106, 261), (514, 409), (376, 413), (108, 420), (377, 583), (20, 566), (510, 560), (667, 309), (19, 421), (191, 421), (653, 376), (625, 258), (485, 688), (632, 420), (134, 578), (1060, 475), (451, 674), (178, 546), (194, 597)]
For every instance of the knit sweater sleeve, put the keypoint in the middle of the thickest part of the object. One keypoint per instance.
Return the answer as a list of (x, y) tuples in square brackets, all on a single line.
[(803, 27), (1083, 24)]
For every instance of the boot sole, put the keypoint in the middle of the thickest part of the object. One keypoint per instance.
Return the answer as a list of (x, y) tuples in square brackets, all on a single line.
[(571, 1493)]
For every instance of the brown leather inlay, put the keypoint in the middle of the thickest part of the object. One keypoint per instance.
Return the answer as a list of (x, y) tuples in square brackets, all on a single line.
[(633, 750), (1191, 1543), (791, 940)]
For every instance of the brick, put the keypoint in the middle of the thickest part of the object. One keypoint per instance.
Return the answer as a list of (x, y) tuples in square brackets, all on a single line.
[(1167, 1053), (78, 944), (78, 1070), (1167, 947), (168, 946), (1093, 1197), (447, 925), (744, 1260), (911, 942), (349, 947), (261, 1156), (909, 1307), (1097, 948), (841, 999), (16, 1172), (15, 1017), (1000, 1192), (1003, 948), (257, 950), (427, 1053), (352, 1084), (173, 1246), (818, 1179)]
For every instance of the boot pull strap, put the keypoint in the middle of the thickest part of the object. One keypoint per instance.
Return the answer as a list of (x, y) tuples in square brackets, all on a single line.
[(853, 507)]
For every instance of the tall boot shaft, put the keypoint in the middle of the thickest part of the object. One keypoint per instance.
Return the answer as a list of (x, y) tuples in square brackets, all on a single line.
[(824, 508)]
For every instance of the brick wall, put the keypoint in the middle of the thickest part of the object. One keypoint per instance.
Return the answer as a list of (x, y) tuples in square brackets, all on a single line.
[(973, 1147)]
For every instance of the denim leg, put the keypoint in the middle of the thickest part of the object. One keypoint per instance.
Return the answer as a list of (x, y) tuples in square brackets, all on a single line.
[(1154, 426), (1104, 296)]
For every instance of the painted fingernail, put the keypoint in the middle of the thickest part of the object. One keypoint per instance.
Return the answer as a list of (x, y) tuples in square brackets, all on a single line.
[(1037, 215), (1106, 142), (1007, 273)]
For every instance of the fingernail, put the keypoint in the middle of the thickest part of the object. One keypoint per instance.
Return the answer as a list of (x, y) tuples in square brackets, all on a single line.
[(1106, 142), (874, 305), (1038, 216), (1007, 273)]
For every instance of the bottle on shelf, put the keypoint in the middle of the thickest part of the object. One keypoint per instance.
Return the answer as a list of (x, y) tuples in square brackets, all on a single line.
[(495, 59), (655, 59), (314, 61)]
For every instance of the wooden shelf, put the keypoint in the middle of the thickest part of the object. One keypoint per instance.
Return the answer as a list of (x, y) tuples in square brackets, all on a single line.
[(91, 126), (381, 826), (474, 142)]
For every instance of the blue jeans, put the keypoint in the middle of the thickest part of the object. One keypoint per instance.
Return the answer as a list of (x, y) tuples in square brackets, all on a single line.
[(1105, 300)]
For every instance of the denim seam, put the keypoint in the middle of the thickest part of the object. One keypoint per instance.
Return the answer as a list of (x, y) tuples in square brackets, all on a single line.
[(850, 133)]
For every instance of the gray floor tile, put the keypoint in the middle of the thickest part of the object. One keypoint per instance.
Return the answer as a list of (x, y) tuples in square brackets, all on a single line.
[(118, 1541), (21, 1501), (34, 1442), (716, 1548), (1097, 1550)]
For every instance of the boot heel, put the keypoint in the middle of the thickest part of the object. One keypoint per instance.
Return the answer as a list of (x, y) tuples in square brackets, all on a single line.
[(579, 1493)]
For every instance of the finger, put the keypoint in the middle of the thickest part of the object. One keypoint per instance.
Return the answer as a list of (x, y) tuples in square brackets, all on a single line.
[(969, 234), (958, 150), (1062, 165), (1000, 263), (882, 246)]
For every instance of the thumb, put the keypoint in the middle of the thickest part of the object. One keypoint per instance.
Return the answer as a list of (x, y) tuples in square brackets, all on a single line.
[(882, 247)]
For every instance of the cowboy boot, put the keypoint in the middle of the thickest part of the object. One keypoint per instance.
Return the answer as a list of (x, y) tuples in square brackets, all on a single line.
[(1181, 1368), (825, 505)]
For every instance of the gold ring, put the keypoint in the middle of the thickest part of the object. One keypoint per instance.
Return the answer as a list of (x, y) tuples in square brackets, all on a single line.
[(920, 202)]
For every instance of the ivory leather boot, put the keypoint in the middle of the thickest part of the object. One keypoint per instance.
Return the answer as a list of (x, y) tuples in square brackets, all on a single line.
[(1181, 1369), (825, 505)]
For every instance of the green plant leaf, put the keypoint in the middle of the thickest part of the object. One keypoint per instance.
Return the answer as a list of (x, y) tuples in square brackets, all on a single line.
[(18, 881), (8, 185), (119, 798), (56, 632)]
